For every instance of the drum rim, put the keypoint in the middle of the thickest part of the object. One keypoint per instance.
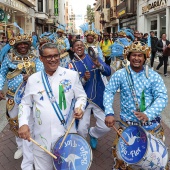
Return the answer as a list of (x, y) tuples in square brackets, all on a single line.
[(146, 148), (91, 153)]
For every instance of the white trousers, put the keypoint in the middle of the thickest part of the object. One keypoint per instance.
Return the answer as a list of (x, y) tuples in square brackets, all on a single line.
[(27, 162), (100, 129), (42, 161)]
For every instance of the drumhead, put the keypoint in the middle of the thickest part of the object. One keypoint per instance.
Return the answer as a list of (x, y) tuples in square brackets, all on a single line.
[(75, 153), (137, 140)]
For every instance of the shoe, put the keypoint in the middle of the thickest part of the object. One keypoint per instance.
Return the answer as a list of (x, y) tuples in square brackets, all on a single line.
[(18, 154), (93, 142), (166, 75)]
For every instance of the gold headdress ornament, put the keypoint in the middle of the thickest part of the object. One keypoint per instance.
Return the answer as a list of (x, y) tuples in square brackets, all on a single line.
[(138, 47), (90, 33), (20, 38), (122, 33)]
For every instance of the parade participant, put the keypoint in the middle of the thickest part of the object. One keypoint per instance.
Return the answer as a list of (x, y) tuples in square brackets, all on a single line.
[(17, 66), (142, 98), (91, 36), (90, 75), (3, 42), (49, 124), (161, 45), (105, 47), (70, 51), (153, 40), (63, 45)]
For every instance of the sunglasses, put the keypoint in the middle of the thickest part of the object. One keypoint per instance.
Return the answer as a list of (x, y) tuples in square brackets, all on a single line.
[(50, 57)]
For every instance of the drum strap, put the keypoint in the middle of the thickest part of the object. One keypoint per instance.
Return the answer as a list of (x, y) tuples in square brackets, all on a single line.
[(130, 83), (51, 97)]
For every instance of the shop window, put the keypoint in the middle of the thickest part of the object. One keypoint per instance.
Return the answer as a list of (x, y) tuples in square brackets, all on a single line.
[(40, 5), (154, 25)]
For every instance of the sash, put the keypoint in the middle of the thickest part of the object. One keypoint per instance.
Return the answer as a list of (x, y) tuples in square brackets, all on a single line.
[(52, 98)]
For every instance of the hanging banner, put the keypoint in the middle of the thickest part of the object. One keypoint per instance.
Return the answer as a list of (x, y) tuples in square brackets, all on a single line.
[(56, 7)]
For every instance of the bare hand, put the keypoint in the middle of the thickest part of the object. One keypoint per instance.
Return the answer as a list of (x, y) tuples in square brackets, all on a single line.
[(96, 63), (25, 77), (141, 116), (87, 75), (109, 121), (78, 113), (62, 51), (2, 95), (24, 132)]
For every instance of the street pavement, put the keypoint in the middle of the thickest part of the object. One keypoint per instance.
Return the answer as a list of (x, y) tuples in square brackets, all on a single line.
[(102, 157)]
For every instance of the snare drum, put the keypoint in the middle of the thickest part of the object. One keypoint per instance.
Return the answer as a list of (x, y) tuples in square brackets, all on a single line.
[(64, 60), (74, 154), (144, 151)]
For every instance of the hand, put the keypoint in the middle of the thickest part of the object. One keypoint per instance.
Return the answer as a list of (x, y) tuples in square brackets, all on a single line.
[(96, 63), (78, 113), (109, 121), (2, 95), (141, 116), (24, 132), (62, 51), (168, 46), (87, 75), (25, 77)]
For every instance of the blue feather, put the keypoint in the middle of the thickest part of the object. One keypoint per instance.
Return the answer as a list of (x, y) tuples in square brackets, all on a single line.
[(149, 41), (20, 29), (4, 51)]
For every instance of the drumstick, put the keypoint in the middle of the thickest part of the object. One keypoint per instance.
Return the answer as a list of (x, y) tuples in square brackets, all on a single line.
[(32, 140), (120, 135), (68, 130)]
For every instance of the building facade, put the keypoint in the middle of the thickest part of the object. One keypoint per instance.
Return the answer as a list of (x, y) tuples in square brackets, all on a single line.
[(154, 15)]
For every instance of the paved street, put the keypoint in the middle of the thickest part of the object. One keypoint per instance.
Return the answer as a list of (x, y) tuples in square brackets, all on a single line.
[(102, 157)]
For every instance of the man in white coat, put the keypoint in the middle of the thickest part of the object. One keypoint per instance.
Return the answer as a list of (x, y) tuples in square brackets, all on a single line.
[(53, 85)]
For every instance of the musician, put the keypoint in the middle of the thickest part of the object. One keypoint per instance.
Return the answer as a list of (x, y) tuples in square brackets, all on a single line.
[(142, 97), (91, 38), (50, 124), (16, 67), (90, 75)]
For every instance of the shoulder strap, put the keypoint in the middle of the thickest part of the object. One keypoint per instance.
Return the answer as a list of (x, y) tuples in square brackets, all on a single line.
[(52, 98), (132, 89)]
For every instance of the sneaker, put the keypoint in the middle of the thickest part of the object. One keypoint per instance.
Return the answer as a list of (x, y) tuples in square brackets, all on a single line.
[(166, 75), (18, 154), (93, 142)]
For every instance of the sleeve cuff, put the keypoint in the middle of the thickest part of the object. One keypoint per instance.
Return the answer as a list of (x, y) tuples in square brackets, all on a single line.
[(110, 114)]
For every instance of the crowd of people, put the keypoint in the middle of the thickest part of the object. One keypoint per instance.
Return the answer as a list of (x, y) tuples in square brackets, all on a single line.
[(54, 79)]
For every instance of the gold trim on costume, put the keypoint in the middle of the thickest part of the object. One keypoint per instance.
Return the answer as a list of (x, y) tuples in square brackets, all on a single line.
[(10, 104)]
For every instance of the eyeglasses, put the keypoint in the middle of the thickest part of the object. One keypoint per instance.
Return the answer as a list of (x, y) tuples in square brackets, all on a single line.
[(50, 57)]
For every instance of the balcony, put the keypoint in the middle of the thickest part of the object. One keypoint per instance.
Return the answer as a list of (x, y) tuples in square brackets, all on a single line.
[(97, 5), (30, 3), (113, 14)]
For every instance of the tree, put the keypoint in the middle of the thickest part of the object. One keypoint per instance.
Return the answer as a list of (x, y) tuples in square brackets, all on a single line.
[(90, 14)]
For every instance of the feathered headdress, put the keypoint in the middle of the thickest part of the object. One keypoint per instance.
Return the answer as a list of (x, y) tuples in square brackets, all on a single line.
[(61, 28), (87, 30), (21, 37)]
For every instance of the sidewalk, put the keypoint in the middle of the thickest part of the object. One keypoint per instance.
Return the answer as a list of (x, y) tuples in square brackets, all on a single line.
[(102, 157)]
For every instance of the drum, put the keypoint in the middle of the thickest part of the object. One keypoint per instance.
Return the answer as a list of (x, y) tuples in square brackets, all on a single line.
[(144, 151), (74, 154), (93, 52), (19, 93), (64, 60)]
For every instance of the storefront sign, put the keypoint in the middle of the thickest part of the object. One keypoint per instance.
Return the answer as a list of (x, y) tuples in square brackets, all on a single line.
[(17, 5), (2, 15), (122, 12), (50, 21), (155, 5)]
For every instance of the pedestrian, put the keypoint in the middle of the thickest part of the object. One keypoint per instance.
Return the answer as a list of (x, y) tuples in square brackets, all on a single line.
[(161, 45), (3, 42), (154, 40), (145, 38), (90, 75), (49, 124), (70, 51), (16, 67), (142, 99), (105, 47)]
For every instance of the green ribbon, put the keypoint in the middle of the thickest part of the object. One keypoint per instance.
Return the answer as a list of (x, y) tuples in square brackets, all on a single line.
[(142, 102), (62, 98)]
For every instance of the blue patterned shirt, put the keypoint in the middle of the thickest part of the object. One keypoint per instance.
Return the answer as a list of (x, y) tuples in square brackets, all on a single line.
[(156, 97)]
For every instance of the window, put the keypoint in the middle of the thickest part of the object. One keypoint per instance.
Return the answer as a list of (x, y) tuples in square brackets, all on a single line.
[(40, 5), (154, 25)]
